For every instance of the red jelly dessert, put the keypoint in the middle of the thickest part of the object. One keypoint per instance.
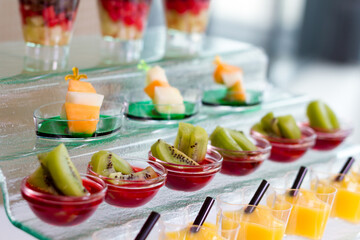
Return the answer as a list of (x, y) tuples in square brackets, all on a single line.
[(48, 22), (190, 16), (123, 19), (62, 210), (328, 140), (289, 150), (191, 178), (133, 193), (241, 163)]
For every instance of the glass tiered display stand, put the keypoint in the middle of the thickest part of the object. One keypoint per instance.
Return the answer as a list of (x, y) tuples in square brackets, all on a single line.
[(21, 93)]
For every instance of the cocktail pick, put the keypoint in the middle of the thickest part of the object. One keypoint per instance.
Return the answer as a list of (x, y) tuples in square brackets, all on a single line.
[(148, 226), (298, 181), (202, 215), (260, 192), (345, 169)]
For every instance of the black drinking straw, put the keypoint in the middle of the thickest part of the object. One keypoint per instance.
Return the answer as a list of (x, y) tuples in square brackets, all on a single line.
[(298, 181), (202, 215), (345, 169), (260, 192), (148, 226)]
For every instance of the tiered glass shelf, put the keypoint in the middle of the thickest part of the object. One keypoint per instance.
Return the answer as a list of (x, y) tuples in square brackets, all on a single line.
[(20, 145)]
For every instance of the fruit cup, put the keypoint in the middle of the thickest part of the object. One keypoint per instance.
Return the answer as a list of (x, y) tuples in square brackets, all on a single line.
[(186, 22), (241, 163), (267, 222), (65, 210), (138, 106), (328, 140), (289, 150), (123, 24), (191, 178), (50, 125), (133, 193), (47, 29)]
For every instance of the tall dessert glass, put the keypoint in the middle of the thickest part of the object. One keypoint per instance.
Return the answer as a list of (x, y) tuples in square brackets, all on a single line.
[(47, 29)]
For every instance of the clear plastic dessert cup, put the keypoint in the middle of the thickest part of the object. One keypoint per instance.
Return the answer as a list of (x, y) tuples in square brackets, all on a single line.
[(267, 221), (191, 178), (129, 231), (241, 163), (51, 126), (65, 210), (123, 24), (133, 193), (138, 106), (186, 22), (328, 140), (47, 29), (178, 225), (289, 150)]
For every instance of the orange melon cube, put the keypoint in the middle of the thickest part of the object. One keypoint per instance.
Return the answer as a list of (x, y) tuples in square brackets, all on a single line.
[(150, 89), (236, 93), (82, 112), (80, 86), (222, 68)]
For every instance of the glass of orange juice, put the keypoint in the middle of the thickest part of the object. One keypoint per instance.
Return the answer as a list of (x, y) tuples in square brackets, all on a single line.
[(267, 222)]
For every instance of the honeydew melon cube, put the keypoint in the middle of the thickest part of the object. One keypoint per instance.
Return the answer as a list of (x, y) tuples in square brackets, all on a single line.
[(168, 100), (156, 73), (230, 79), (83, 98)]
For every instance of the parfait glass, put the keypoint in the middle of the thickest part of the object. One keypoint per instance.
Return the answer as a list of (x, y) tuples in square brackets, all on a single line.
[(186, 22), (123, 25), (47, 28)]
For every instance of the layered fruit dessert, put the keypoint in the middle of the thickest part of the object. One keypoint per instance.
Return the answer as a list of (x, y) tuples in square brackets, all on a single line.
[(48, 23), (82, 105), (131, 183), (289, 141), (123, 19), (167, 99), (325, 123), (57, 193), (241, 155), (189, 163), (188, 16)]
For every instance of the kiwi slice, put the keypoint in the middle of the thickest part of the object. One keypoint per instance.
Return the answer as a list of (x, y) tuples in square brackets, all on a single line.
[(332, 116), (221, 138), (242, 140), (288, 127), (182, 140), (146, 174), (198, 144), (65, 176), (105, 163), (41, 180), (321, 116), (274, 127), (270, 125), (170, 154), (259, 128)]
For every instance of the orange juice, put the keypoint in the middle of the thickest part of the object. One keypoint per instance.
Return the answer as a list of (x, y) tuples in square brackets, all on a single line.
[(207, 232), (309, 214), (260, 224)]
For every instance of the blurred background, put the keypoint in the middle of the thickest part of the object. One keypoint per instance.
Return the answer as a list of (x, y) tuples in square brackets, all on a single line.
[(313, 46)]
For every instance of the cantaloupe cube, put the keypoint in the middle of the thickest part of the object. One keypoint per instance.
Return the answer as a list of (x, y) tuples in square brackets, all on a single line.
[(80, 86), (82, 112), (150, 89), (236, 93)]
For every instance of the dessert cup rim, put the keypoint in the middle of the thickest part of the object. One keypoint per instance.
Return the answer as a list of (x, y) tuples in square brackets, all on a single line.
[(308, 141), (118, 115), (215, 166), (344, 131), (145, 183), (67, 200)]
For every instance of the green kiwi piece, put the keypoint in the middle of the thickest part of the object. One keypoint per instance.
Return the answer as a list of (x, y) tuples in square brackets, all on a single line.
[(105, 163), (333, 118), (274, 126), (65, 176), (266, 122), (258, 128), (321, 116), (146, 174), (41, 180), (182, 140), (288, 127), (242, 140), (198, 144), (170, 154), (221, 138)]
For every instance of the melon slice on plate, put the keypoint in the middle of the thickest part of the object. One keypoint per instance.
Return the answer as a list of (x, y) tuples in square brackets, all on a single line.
[(150, 89), (156, 73), (80, 86), (83, 113), (84, 98), (168, 100)]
